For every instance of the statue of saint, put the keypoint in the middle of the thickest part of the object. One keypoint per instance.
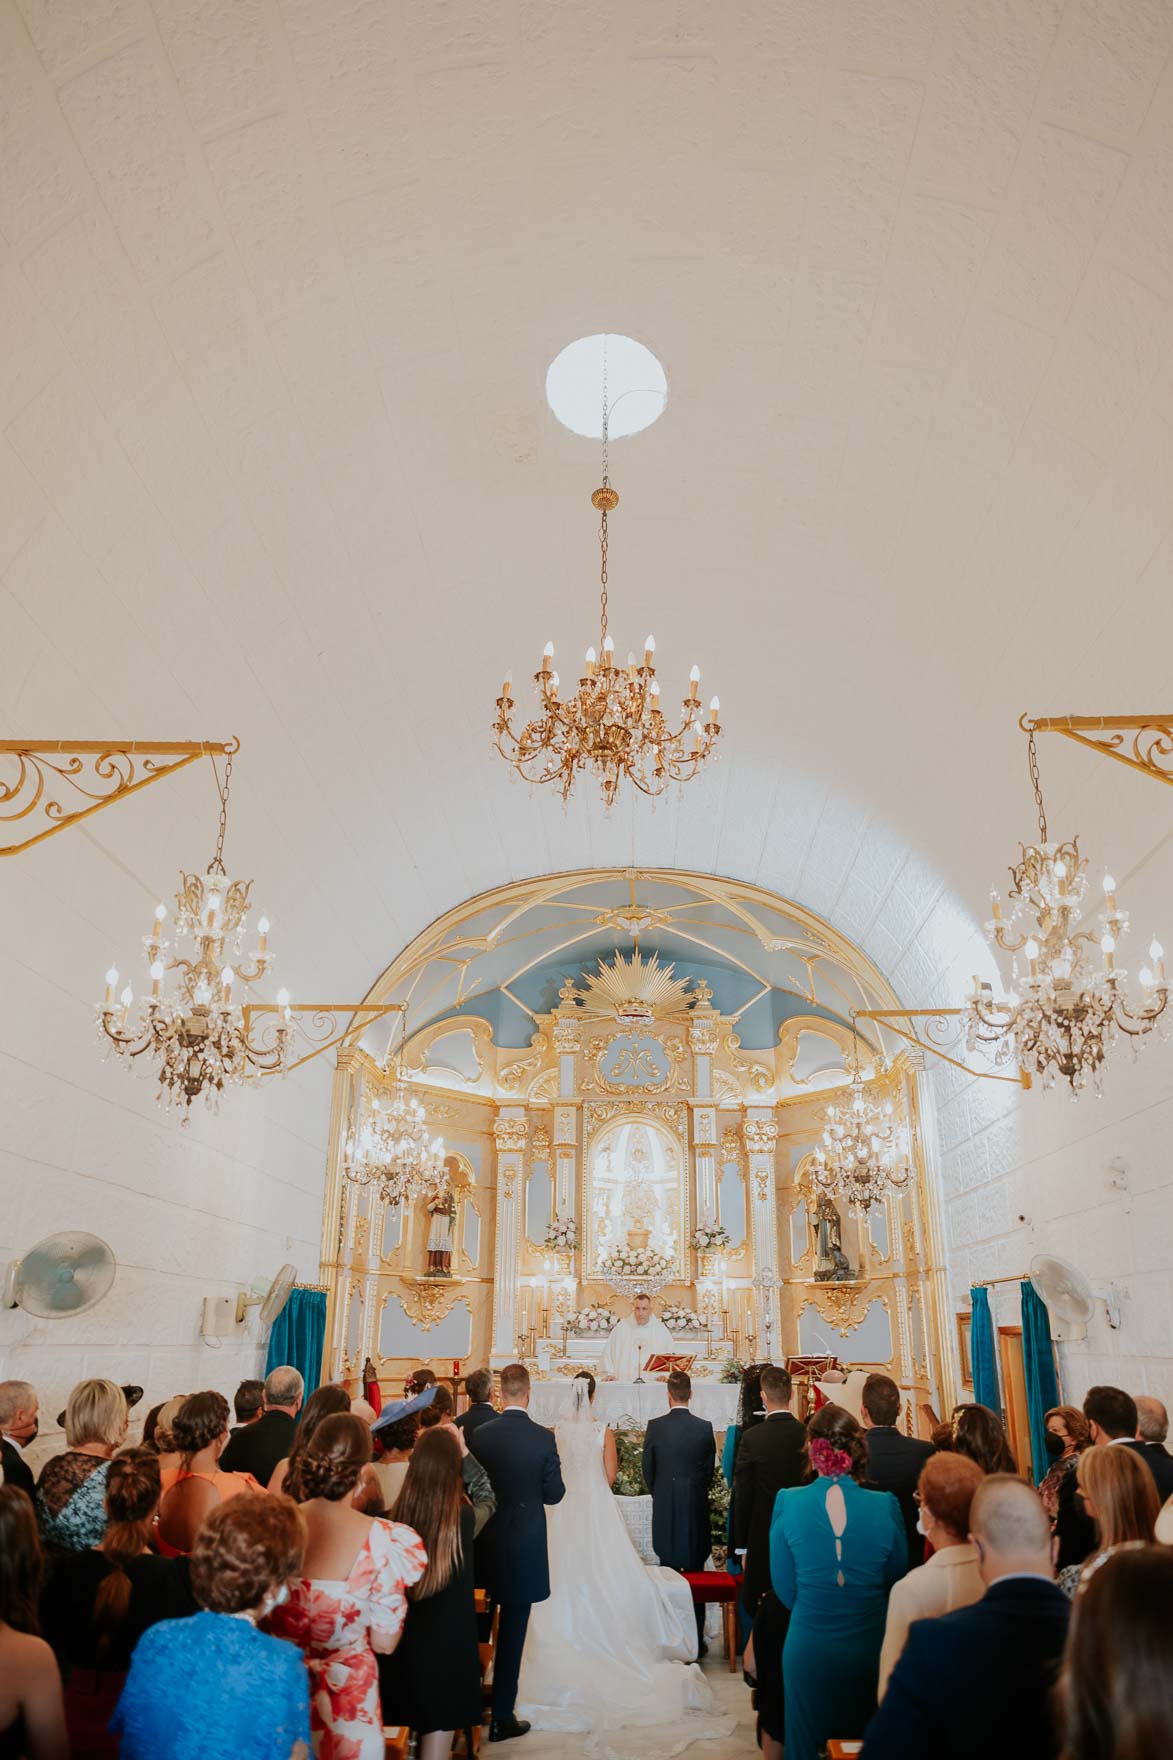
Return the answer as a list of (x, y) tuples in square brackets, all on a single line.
[(831, 1262), (442, 1220)]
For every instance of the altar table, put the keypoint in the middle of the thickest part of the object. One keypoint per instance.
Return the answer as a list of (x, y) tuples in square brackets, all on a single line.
[(614, 1400)]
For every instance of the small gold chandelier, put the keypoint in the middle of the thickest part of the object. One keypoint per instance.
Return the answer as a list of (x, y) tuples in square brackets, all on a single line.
[(863, 1154), (612, 723), (390, 1148), (1061, 1013), (198, 1037)]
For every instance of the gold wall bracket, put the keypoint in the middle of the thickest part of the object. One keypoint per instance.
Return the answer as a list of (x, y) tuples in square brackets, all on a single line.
[(935, 1036), (47, 768), (320, 1022), (1143, 742)]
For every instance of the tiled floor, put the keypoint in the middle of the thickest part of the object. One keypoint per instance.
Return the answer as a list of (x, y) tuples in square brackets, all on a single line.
[(732, 1695)]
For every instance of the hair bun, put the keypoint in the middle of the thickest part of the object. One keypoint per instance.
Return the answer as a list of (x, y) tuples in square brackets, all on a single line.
[(317, 1475)]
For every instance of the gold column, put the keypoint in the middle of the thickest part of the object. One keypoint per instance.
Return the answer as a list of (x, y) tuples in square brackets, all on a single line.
[(510, 1133), (760, 1132)]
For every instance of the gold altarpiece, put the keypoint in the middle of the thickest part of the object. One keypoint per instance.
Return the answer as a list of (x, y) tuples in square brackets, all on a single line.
[(729, 1132)]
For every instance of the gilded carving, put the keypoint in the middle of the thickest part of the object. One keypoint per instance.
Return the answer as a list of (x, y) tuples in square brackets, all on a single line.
[(596, 1113), (540, 1143), (846, 1305), (703, 1037), (510, 1135), (639, 1063), (760, 1078), (567, 1036), (726, 1090), (910, 1255), (427, 1301), (731, 1147), (760, 1135), (510, 1077), (362, 1229)]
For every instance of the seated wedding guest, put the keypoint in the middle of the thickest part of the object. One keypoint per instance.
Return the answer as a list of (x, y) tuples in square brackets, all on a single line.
[(951, 1577), (395, 1431), (213, 1685), (1119, 1495), (432, 1680), (978, 1432), (441, 1410), (247, 1403), (976, 1684), (256, 1448), (198, 1483), (162, 1438), (835, 1551), (895, 1461), (771, 1455), (71, 1491), (479, 1388), (1152, 1427), (96, 1604), (350, 1599), (1066, 1437), (1116, 1689), (32, 1716), (18, 1427), (324, 1402)]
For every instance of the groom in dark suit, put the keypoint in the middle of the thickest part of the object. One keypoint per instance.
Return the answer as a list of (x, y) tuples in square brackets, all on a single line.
[(680, 1454), (521, 1459)]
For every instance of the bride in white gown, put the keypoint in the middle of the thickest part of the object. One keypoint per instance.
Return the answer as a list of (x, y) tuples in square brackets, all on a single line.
[(611, 1651)]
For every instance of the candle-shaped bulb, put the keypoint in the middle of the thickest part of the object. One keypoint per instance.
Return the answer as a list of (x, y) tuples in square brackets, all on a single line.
[(591, 657), (608, 645), (282, 999), (1032, 955), (655, 687), (1061, 870), (507, 685), (715, 711), (111, 985), (1156, 951), (127, 997), (695, 675), (263, 927), (227, 979), (156, 977), (1109, 885), (547, 656), (555, 681)]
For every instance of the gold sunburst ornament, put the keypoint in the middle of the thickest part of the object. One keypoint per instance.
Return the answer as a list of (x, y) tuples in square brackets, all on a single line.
[(613, 722), (636, 989)]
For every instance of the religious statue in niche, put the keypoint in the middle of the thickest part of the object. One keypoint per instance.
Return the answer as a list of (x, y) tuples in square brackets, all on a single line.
[(831, 1262), (441, 1228)]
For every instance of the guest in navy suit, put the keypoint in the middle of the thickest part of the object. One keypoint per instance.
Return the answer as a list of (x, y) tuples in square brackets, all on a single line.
[(680, 1456), (479, 1388), (895, 1461), (979, 1681), (521, 1459)]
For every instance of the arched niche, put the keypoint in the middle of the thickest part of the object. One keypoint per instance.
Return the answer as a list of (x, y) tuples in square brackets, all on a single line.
[(636, 1190)]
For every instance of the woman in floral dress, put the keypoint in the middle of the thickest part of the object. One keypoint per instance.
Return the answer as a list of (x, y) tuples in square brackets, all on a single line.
[(352, 1599)]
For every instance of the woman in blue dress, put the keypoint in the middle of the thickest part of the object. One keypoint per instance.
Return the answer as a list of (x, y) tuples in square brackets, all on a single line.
[(212, 1687), (835, 1551)]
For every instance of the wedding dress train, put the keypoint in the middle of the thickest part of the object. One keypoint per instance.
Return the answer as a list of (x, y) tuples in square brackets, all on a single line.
[(610, 1652)]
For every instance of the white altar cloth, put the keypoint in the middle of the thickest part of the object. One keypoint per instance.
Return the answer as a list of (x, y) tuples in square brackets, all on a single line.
[(714, 1400)]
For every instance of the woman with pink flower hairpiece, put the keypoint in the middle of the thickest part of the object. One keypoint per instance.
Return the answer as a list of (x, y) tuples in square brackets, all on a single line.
[(835, 1551)]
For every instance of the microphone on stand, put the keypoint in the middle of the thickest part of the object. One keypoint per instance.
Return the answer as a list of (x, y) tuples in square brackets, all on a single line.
[(639, 1371)]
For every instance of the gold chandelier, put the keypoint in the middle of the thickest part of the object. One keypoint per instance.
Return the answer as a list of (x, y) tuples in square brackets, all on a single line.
[(1060, 1013), (863, 1155), (198, 1038), (390, 1148), (613, 722)]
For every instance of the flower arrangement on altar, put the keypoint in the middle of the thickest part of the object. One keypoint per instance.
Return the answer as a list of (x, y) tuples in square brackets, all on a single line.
[(680, 1319), (562, 1234), (627, 1261), (710, 1237), (593, 1319), (733, 1370)]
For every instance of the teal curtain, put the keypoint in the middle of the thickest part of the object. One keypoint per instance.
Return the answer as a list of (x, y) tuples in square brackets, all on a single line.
[(1038, 1358), (298, 1336), (981, 1350)]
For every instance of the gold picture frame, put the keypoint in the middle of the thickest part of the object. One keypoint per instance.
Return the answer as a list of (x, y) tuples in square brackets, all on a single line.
[(964, 1357)]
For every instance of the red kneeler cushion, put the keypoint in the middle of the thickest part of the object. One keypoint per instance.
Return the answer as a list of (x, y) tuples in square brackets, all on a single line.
[(712, 1585)]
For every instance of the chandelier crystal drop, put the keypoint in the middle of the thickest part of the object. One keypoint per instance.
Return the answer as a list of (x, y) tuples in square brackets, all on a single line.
[(197, 1037), (390, 1147), (1063, 1009), (612, 722), (863, 1154)]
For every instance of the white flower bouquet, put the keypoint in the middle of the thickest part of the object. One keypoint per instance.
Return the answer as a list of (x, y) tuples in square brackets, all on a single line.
[(678, 1319), (709, 1237), (593, 1319), (636, 1262), (562, 1234)]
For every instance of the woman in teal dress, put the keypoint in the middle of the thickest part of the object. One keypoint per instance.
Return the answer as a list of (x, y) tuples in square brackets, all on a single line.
[(835, 1551)]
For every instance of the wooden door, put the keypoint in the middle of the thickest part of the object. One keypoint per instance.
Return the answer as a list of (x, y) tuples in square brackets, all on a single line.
[(1014, 1396)]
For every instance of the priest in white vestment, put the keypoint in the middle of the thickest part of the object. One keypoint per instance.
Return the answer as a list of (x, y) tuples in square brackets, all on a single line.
[(633, 1341)]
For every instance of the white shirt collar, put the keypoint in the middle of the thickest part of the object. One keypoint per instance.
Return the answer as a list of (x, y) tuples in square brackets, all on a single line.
[(505, 1410), (1113, 1440)]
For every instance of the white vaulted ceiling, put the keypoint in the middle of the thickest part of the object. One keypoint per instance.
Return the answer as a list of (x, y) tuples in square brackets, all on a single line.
[(280, 286)]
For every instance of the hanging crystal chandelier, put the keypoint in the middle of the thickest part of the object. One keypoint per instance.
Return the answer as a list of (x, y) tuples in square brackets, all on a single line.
[(863, 1154), (197, 1037), (390, 1146), (613, 722), (1061, 1012)]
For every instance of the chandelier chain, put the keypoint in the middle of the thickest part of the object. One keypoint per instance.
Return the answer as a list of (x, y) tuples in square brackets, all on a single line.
[(603, 513), (216, 866), (1036, 783)]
